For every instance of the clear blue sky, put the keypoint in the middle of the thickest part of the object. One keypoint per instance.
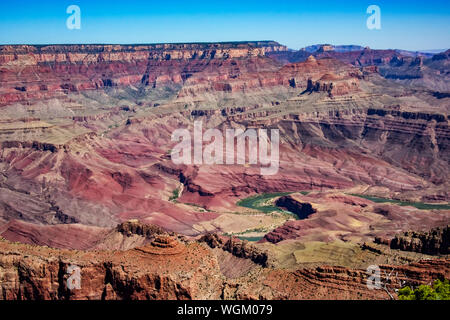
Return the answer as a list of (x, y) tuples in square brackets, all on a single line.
[(412, 25)]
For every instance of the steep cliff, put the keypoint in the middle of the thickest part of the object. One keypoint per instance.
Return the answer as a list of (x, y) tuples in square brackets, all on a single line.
[(41, 72), (190, 272), (433, 242)]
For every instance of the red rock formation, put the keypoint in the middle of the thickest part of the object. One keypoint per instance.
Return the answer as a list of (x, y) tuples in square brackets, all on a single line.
[(349, 218), (238, 248), (302, 210), (435, 241), (335, 88), (44, 69), (32, 273)]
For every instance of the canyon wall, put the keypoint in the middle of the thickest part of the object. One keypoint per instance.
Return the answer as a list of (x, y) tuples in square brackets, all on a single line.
[(39, 72), (190, 272)]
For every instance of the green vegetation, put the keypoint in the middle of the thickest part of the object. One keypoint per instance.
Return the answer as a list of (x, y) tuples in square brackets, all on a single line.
[(418, 205), (242, 235), (175, 194), (257, 230), (439, 291)]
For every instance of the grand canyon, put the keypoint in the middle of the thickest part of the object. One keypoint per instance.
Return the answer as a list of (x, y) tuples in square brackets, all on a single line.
[(87, 179)]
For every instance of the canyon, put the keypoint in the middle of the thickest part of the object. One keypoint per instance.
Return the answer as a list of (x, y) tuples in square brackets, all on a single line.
[(170, 268), (86, 175)]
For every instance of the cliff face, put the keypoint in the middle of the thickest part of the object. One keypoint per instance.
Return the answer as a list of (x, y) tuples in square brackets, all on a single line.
[(159, 49), (435, 241), (302, 210), (33, 73), (182, 271), (36, 72), (237, 248), (399, 66), (336, 88), (153, 272)]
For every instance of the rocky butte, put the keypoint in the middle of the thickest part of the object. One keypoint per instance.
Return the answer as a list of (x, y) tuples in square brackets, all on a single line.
[(87, 179)]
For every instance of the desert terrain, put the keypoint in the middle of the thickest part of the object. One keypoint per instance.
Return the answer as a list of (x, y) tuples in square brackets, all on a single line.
[(87, 179)]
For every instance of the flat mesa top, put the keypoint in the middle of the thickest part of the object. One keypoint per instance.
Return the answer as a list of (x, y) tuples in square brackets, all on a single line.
[(29, 48)]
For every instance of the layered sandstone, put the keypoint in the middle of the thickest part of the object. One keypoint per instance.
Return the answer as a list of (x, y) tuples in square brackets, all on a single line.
[(240, 249), (302, 210), (435, 241), (31, 273), (55, 70)]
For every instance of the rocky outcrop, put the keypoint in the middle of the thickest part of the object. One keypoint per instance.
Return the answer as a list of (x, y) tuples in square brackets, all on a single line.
[(238, 248), (302, 210), (134, 227), (151, 272), (148, 273), (333, 86), (325, 48), (435, 241)]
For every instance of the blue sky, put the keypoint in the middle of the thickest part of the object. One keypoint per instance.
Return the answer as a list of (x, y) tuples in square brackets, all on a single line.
[(411, 25)]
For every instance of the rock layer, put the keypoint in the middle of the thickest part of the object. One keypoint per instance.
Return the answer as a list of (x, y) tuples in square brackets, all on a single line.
[(32, 273), (94, 67), (302, 210), (435, 241)]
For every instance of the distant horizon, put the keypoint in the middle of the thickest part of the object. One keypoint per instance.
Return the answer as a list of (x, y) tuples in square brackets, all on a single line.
[(218, 42)]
